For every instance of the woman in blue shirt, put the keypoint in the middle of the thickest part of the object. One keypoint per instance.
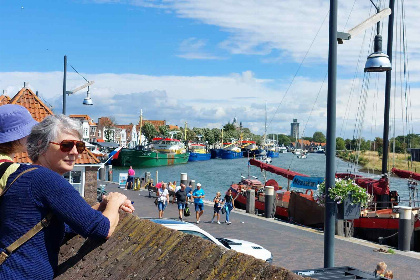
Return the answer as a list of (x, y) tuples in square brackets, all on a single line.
[(54, 145)]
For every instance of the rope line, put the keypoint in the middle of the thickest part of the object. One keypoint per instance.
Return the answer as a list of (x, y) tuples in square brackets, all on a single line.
[(297, 71)]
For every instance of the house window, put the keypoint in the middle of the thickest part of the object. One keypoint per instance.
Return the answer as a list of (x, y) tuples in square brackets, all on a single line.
[(75, 178)]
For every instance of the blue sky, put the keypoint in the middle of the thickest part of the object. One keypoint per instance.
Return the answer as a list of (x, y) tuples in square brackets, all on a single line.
[(201, 62)]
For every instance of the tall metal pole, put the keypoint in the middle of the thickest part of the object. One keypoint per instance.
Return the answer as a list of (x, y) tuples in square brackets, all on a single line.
[(330, 210), (141, 124), (388, 90), (64, 84)]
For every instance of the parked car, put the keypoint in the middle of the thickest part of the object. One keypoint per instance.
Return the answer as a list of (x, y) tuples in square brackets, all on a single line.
[(241, 246)]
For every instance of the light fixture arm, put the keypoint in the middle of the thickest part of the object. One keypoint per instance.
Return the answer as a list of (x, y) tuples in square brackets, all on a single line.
[(89, 83), (376, 18)]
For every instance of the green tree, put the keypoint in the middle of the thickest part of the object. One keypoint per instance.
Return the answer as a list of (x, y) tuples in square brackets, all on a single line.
[(191, 136), (340, 143), (149, 131), (217, 134), (229, 127), (109, 129), (348, 144), (364, 145), (209, 136), (319, 137), (163, 131), (198, 132), (379, 143), (284, 140)]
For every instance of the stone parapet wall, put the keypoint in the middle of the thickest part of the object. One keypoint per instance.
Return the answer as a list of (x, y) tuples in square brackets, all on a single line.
[(91, 184), (141, 249)]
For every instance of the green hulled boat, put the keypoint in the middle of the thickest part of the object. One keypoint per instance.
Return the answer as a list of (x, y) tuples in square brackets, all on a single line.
[(162, 151)]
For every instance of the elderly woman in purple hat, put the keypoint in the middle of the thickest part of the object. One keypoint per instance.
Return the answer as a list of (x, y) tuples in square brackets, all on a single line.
[(39, 192)]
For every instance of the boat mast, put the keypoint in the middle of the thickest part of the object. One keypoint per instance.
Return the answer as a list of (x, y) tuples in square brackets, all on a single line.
[(388, 92), (185, 132), (265, 125), (141, 124), (222, 137)]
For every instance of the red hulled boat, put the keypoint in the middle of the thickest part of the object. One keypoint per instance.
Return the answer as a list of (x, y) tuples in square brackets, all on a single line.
[(378, 223)]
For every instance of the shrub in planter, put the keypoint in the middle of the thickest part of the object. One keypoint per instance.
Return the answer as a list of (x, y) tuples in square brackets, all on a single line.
[(348, 196)]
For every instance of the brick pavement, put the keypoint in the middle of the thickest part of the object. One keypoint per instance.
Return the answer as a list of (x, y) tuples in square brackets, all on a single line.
[(293, 247)]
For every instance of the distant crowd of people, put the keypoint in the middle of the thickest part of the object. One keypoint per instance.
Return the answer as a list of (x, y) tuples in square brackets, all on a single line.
[(183, 196)]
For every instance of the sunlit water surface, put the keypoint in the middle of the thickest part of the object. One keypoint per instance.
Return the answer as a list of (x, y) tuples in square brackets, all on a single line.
[(218, 174)]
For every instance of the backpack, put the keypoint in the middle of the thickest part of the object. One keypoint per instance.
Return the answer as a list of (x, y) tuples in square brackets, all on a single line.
[(4, 165), (31, 233)]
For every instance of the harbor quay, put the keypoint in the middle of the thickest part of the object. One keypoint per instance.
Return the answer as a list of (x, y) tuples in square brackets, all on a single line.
[(293, 247)]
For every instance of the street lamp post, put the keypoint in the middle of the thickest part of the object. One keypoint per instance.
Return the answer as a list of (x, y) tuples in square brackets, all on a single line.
[(377, 62), (64, 84), (330, 211), (87, 100)]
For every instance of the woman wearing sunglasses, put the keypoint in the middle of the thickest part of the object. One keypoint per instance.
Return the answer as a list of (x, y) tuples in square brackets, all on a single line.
[(53, 146)]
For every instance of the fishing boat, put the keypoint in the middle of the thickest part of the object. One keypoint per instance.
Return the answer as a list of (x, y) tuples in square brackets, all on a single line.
[(273, 152), (198, 152), (302, 155), (319, 150), (216, 153), (297, 152), (263, 157), (296, 206), (160, 152), (379, 223), (282, 150), (230, 151), (250, 149)]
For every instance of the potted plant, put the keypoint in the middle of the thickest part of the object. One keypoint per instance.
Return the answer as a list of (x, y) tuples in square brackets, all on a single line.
[(349, 198)]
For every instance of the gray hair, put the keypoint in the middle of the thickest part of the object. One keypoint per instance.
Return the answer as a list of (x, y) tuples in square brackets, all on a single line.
[(48, 130)]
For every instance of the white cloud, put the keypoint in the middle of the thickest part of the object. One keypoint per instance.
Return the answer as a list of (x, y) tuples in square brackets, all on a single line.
[(213, 101), (193, 48), (278, 32)]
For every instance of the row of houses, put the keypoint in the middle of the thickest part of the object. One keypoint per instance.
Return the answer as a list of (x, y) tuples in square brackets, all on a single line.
[(126, 136), (308, 145)]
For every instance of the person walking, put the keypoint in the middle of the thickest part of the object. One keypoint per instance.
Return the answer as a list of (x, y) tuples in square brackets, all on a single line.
[(198, 195), (217, 207), (189, 193), (181, 198), (229, 205), (163, 198), (130, 179)]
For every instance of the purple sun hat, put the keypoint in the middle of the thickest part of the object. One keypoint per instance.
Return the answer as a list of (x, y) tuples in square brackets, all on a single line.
[(15, 122)]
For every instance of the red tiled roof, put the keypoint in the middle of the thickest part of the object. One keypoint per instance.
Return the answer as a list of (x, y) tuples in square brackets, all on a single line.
[(172, 127), (26, 98), (4, 99), (86, 117)]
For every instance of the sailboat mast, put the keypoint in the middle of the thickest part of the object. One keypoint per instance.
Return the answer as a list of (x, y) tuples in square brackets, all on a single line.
[(222, 138), (388, 91), (185, 132), (141, 124), (265, 125)]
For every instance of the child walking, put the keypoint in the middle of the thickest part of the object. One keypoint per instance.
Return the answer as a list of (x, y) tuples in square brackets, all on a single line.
[(217, 207)]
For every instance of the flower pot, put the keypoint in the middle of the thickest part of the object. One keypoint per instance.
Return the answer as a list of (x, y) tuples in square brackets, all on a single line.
[(348, 211)]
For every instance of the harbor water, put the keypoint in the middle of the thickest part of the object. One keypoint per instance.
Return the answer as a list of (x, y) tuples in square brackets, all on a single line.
[(218, 174)]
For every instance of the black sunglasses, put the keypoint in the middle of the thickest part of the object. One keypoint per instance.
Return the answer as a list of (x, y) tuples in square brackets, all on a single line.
[(67, 145)]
